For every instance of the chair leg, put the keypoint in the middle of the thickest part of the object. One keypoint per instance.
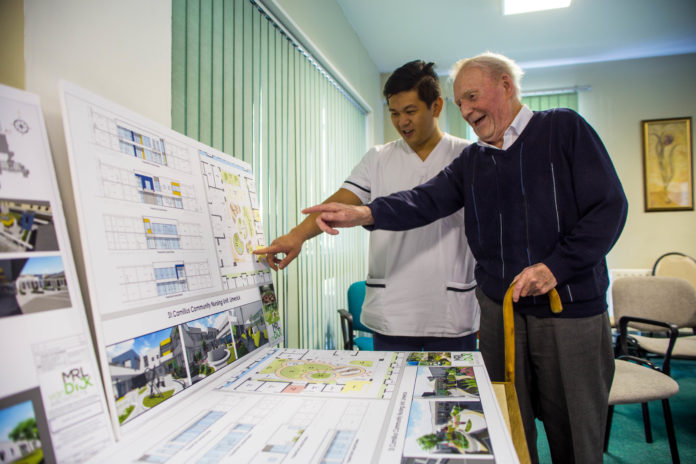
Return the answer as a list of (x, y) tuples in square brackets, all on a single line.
[(670, 431), (646, 423), (610, 414)]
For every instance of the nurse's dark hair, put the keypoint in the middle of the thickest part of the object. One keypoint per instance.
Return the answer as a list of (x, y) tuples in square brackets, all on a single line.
[(414, 75)]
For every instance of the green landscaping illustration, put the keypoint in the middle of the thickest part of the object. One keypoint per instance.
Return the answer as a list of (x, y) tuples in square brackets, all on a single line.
[(292, 370)]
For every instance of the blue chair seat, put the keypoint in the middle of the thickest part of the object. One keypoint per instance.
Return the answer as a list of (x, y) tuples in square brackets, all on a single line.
[(364, 343), (350, 320)]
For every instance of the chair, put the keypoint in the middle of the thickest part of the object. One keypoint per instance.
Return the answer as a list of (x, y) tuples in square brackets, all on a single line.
[(637, 380), (675, 264), (350, 320), (666, 299)]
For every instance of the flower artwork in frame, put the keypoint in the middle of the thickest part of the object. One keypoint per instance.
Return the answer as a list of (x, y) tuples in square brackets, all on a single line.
[(667, 164)]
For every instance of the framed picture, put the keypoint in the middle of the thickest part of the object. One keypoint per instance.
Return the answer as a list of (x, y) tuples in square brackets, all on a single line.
[(667, 164)]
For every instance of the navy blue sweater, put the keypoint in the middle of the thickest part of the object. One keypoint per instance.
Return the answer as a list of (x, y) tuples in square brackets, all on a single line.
[(552, 197)]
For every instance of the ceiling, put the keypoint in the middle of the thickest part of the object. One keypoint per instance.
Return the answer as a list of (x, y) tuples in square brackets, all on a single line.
[(397, 31)]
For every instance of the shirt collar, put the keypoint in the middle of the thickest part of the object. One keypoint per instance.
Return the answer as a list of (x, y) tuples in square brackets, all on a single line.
[(524, 115)]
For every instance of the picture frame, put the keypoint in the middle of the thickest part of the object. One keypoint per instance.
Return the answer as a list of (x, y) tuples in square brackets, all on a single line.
[(667, 164)]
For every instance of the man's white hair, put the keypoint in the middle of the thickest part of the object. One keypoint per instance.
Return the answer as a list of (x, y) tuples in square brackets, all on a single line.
[(495, 64)]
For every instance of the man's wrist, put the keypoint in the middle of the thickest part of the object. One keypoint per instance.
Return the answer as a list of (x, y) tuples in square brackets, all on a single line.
[(367, 218), (369, 222)]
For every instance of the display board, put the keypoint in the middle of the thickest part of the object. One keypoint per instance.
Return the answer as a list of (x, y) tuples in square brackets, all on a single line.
[(168, 226), (188, 327), (51, 400)]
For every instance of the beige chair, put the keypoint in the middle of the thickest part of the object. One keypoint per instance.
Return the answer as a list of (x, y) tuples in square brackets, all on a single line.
[(666, 299), (675, 264), (648, 303)]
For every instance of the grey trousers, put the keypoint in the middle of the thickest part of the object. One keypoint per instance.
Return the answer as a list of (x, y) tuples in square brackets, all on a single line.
[(563, 373)]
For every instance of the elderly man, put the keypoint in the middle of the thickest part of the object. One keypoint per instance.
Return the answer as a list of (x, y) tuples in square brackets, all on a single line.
[(543, 206)]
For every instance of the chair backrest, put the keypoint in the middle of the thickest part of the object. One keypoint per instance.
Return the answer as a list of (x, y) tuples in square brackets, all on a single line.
[(666, 299), (675, 264), (356, 296)]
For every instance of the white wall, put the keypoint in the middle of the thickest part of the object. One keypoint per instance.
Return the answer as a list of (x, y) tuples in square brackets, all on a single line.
[(622, 94), (12, 43)]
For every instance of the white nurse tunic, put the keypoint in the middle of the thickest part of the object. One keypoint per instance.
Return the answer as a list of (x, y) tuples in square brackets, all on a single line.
[(420, 282)]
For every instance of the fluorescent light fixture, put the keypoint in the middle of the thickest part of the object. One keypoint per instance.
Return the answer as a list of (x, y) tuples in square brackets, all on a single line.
[(511, 7)]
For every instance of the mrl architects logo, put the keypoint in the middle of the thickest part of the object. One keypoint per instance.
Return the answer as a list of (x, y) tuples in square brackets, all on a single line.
[(75, 380)]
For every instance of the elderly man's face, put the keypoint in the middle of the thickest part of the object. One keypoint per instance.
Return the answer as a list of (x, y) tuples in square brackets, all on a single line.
[(485, 103)]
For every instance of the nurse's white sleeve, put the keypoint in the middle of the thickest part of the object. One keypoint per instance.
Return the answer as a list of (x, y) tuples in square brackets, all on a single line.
[(360, 181)]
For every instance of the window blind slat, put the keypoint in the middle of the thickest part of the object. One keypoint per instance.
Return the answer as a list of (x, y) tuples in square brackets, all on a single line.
[(227, 77), (218, 63), (179, 39), (192, 69), (205, 72)]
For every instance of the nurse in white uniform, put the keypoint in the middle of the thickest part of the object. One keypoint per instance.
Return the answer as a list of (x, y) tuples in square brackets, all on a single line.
[(420, 283)]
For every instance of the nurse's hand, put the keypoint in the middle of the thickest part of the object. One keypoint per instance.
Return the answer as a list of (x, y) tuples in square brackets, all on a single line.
[(289, 245), (533, 281), (337, 215)]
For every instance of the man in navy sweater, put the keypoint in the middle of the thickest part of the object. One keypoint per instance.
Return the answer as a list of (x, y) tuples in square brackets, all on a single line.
[(543, 206)]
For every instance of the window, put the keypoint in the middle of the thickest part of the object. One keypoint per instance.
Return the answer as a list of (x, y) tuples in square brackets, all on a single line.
[(551, 99)]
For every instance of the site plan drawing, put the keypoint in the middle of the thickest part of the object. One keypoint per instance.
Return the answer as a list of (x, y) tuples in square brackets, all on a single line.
[(51, 390), (366, 374)]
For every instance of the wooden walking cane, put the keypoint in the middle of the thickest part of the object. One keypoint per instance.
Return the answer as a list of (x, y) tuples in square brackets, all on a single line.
[(509, 327), (510, 398)]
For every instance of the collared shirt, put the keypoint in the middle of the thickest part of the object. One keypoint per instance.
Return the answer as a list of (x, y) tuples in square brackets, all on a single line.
[(514, 129)]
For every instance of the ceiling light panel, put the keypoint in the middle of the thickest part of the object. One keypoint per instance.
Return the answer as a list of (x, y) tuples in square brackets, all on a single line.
[(511, 7)]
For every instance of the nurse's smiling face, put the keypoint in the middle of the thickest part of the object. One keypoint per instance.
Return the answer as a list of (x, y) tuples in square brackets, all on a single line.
[(411, 117)]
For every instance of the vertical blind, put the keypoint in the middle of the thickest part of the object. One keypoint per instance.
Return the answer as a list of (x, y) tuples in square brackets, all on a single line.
[(243, 86), (552, 100), (456, 125)]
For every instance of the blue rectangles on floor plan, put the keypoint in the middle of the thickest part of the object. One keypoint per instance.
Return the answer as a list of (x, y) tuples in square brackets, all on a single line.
[(198, 427), (151, 191), (155, 232), (170, 279), (141, 146), (226, 444), (339, 447), (170, 448)]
